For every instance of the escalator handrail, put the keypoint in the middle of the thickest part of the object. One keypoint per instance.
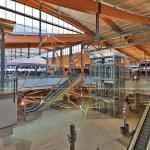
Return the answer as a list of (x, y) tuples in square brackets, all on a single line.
[(62, 89), (38, 106), (55, 89), (64, 86), (148, 145), (41, 103), (28, 109), (138, 128)]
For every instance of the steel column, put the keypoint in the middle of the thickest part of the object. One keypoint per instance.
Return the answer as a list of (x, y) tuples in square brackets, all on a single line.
[(28, 50), (97, 20), (2, 47), (40, 36), (15, 53), (11, 54), (47, 58), (20, 52), (70, 56)]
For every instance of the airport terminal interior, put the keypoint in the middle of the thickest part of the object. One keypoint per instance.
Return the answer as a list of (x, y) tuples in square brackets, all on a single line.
[(74, 74)]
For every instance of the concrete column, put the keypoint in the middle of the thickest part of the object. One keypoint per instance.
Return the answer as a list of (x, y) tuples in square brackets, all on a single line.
[(2, 51)]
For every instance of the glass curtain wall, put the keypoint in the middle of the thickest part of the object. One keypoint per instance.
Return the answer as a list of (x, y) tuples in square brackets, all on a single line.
[(27, 19)]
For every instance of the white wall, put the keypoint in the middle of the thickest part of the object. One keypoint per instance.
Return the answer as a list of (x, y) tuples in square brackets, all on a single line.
[(8, 112)]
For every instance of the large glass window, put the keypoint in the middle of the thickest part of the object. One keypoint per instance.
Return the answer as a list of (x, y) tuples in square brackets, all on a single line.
[(65, 51), (76, 49), (43, 26), (49, 24), (3, 3), (19, 19), (36, 24), (2, 13), (19, 28), (28, 29), (49, 18), (61, 22), (49, 28), (50, 54), (66, 31), (35, 13), (10, 16), (28, 21), (28, 10), (55, 30), (61, 30), (57, 53), (43, 15), (66, 24), (55, 20), (10, 4), (19, 7)]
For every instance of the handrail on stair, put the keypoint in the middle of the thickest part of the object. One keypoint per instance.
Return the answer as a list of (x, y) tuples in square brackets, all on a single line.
[(148, 145), (138, 128)]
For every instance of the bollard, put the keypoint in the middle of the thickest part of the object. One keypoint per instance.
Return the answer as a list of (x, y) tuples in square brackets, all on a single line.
[(72, 137)]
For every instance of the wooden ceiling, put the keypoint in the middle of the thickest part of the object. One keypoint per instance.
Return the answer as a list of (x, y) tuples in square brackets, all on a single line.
[(118, 17)]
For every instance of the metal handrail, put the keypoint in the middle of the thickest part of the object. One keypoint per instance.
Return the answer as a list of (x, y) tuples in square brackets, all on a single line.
[(148, 145), (138, 128)]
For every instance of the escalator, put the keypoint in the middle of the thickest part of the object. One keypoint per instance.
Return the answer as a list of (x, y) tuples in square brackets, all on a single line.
[(141, 138), (52, 95)]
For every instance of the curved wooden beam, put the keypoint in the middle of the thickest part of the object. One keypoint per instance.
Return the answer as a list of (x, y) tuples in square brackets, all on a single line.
[(54, 12), (116, 28), (91, 6), (20, 41)]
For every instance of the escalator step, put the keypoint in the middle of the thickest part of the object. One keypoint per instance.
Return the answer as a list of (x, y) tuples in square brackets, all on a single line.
[(147, 130), (139, 147), (144, 134), (143, 137), (140, 142)]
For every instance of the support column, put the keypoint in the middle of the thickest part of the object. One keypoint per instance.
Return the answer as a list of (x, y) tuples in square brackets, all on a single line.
[(70, 56), (11, 54), (28, 50), (40, 36), (61, 58), (97, 20), (53, 57), (47, 61), (2, 69), (15, 53), (20, 52), (82, 61), (114, 87)]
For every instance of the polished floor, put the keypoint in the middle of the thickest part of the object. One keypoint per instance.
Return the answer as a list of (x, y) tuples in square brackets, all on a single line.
[(49, 132)]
